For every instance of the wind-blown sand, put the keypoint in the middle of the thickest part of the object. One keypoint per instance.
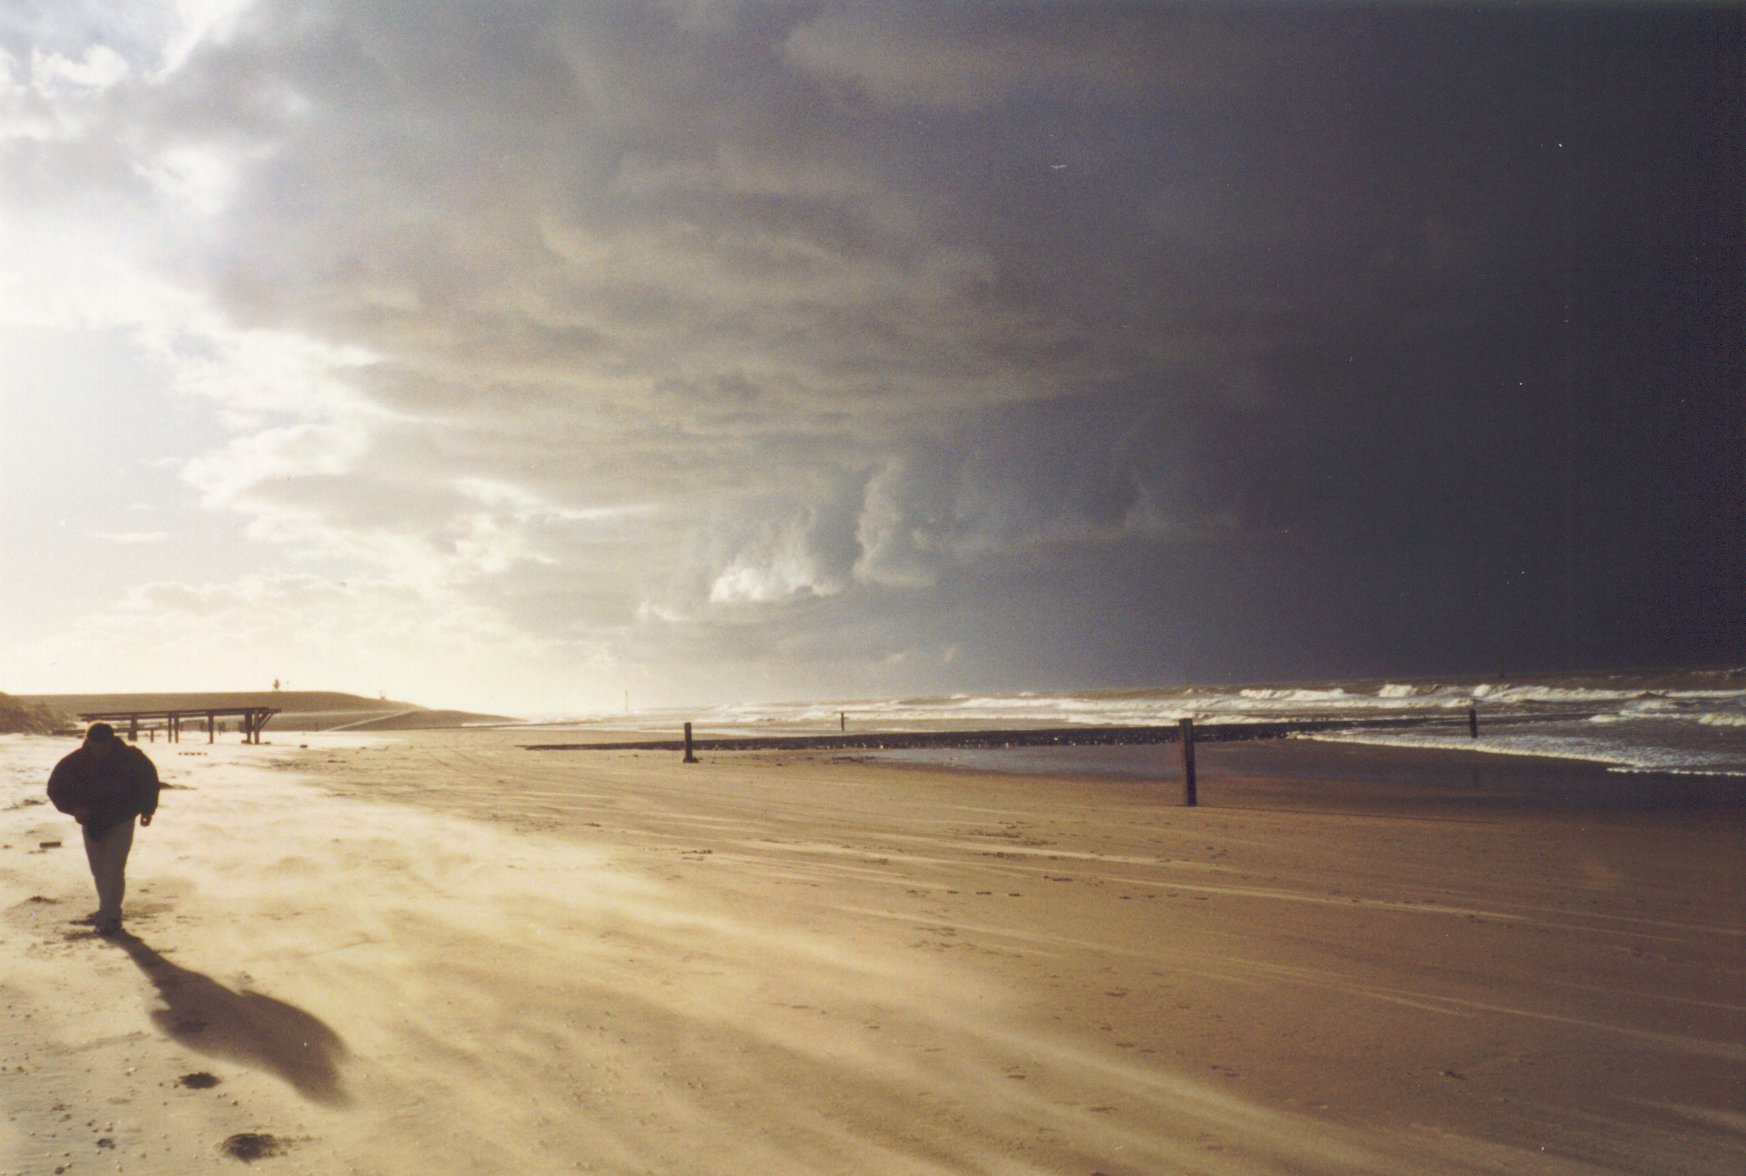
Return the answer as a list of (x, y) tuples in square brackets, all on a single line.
[(438, 952)]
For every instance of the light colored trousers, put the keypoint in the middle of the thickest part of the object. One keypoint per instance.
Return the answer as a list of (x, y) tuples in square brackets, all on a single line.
[(107, 854)]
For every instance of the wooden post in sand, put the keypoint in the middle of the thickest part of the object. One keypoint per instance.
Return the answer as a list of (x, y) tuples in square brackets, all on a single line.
[(1188, 797), (1473, 722), (689, 758)]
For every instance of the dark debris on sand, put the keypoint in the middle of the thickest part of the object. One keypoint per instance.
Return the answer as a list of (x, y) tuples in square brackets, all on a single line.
[(250, 1146)]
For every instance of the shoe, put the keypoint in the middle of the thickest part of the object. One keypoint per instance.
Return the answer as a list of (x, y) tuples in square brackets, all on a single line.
[(108, 927)]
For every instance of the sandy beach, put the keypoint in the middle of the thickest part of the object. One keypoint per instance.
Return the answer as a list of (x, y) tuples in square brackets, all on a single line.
[(440, 952)]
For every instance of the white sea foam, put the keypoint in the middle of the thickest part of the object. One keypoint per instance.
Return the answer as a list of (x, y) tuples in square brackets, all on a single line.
[(1618, 757), (1701, 718)]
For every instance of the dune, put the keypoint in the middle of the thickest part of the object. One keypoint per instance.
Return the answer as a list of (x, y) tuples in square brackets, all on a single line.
[(294, 710), (436, 951)]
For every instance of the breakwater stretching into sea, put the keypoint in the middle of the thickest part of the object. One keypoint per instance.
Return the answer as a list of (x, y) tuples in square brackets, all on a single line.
[(1691, 722), (1000, 737)]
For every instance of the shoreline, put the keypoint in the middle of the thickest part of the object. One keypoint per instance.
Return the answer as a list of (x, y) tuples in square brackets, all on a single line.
[(1081, 735)]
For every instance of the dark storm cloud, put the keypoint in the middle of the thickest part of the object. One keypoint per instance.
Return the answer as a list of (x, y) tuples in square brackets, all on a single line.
[(935, 343), (541, 198)]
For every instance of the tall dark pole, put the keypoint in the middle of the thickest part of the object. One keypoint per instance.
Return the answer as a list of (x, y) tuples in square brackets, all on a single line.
[(689, 758), (1188, 797)]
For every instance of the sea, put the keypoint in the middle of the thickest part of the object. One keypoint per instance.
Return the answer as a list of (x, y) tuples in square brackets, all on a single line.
[(1686, 722)]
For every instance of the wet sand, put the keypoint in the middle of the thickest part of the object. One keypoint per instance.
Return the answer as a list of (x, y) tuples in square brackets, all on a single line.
[(440, 952)]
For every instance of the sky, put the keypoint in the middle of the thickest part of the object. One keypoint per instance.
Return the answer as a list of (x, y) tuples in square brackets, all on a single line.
[(543, 357)]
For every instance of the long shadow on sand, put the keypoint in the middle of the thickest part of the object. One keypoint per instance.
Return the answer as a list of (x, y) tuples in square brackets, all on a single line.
[(245, 1027)]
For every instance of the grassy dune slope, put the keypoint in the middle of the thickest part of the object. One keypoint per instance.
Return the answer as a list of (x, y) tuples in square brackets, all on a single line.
[(20, 716)]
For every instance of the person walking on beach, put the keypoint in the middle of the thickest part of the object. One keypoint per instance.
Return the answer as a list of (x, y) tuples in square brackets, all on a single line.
[(105, 784)]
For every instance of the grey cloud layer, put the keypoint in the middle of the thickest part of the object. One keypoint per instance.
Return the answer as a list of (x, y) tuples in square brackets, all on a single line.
[(627, 257)]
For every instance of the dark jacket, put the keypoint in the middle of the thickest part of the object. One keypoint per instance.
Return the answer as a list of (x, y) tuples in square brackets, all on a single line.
[(105, 792)]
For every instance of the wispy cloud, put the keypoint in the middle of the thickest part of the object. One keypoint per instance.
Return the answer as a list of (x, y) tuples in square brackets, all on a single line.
[(131, 537)]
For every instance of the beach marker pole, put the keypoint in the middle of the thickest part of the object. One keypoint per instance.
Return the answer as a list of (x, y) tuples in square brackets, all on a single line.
[(1473, 722), (1188, 797), (689, 758)]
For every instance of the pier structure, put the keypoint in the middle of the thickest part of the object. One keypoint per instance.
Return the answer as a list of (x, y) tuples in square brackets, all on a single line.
[(253, 719)]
